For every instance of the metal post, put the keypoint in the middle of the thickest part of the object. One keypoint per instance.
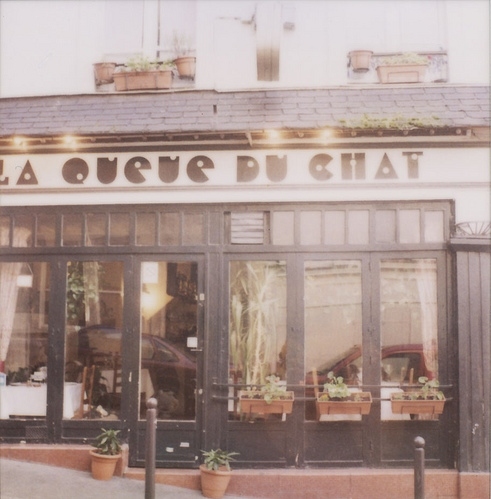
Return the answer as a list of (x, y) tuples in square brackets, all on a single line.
[(419, 468), (150, 448)]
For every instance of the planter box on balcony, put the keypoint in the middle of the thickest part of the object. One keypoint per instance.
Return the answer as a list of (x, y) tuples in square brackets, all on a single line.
[(143, 80), (404, 73)]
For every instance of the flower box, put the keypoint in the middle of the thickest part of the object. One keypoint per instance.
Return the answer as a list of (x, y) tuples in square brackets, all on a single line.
[(406, 403), (357, 403), (143, 80), (255, 404), (402, 73)]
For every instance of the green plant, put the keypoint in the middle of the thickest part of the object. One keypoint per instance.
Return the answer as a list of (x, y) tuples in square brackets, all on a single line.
[(406, 58), (182, 44), (108, 443), (142, 63), (335, 388), (216, 458), (395, 122), (429, 391)]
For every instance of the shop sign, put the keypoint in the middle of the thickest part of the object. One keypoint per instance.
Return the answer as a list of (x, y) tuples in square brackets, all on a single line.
[(224, 168)]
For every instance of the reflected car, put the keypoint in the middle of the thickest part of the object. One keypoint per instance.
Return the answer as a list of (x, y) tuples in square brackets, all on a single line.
[(172, 370), (397, 362)]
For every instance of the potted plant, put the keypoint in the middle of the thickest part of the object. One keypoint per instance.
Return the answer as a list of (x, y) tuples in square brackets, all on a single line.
[(103, 72), (140, 73), (215, 472), (408, 67), (359, 60), (184, 61), (428, 399), (271, 398), (106, 454), (337, 398)]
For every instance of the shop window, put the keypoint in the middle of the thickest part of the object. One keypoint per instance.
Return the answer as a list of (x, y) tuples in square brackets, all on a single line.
[(409, 226), (23, 230), (5, 230), (310, 223), (283, 228), (24, 294), (334, 227), (333, 327), (385, 226), (72, 230), (93, 352), (257, 328), (358, 227), (45, 230), (119, 229), (96, 230), (193, 229), (146, 229), (170, 229)]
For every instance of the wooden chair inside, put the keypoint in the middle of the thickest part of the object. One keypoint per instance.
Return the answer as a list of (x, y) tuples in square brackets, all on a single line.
[(87, 390)]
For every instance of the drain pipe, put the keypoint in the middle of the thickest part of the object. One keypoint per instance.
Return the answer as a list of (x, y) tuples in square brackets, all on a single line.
[(419, 468), (151, 430)]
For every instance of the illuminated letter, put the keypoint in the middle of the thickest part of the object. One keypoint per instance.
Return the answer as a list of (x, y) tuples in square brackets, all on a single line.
[(75, 171), (196, 166), (276, 168), (318, 167), (168, 169), (247, 168), (133, 167), (412, 163), (107, 170), (353, 163)]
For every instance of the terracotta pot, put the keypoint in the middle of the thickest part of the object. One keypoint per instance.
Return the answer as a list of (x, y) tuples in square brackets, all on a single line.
[(345, 406), (186, 66), (143, 80), (403, 73), (103, 466), (360, 60), (103, 72), (214, 483), (260, 406)]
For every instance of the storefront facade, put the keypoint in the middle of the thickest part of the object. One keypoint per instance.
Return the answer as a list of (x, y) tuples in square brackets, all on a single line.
[(189, 266)]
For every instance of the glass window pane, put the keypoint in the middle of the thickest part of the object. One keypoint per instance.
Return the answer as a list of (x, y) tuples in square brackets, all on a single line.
[(310, 227), (72, 230), (385, 226), (358, 226), (23, 229), (168, 320), (93, 355), (119, 229), (193, 229), (170, 233), (95, 234), (333, 327), (283, 230), (409, 226), (24, 301), (257, 327), (409, 329), (334, 230), (146, 229), (4, 230), (434, 227), (46, 230)]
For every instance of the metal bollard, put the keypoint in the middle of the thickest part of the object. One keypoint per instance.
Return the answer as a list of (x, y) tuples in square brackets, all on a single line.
[(150, 445), (419, 468)]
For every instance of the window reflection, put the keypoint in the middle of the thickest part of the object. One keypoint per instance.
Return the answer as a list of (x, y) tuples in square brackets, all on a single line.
[(333, 326), (409, 330), (24, 302), (168, 327), (93, 354), (257, 327)]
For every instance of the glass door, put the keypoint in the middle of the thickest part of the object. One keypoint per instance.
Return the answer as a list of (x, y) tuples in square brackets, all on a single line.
[(169, 361)]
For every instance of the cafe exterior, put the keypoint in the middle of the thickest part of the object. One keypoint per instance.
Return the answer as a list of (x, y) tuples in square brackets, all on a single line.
[(205, 246)]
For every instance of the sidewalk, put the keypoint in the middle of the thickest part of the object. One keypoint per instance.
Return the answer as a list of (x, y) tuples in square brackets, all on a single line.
[(24, 480)]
